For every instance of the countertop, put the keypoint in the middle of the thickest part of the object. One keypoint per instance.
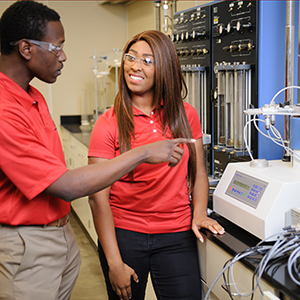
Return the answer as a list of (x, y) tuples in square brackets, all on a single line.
[(82, 136)]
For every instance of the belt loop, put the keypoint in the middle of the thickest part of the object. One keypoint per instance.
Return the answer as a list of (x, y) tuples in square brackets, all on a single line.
[(59, 223)]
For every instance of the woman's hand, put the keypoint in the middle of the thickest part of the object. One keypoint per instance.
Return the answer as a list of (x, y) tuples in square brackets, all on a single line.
[(120, 279), (203, 221)]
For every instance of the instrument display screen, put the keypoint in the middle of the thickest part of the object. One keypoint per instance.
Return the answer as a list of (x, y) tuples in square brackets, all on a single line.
[(246, 189)]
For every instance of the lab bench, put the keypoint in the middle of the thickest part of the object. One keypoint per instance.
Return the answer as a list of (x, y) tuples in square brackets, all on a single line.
[(215, 250)]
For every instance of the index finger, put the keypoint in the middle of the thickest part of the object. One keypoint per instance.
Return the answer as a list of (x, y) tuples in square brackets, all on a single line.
[(183, 141)]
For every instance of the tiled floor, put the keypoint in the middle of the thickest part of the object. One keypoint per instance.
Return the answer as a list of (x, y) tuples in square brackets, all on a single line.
[(90, 284)]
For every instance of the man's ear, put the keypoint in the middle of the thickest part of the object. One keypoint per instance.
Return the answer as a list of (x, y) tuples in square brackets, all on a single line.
[(25, 49)]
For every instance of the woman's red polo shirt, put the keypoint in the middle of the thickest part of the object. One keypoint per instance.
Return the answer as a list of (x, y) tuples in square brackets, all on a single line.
[(157, 200)]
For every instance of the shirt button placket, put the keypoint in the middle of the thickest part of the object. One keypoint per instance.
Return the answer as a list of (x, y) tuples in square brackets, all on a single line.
[(152, 122)]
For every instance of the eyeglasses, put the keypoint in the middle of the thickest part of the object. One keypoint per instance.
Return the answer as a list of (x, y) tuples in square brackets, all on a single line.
[(56, 50), (143, 61)]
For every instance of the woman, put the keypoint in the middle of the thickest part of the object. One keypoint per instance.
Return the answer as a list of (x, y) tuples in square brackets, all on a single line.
[(143, 221)]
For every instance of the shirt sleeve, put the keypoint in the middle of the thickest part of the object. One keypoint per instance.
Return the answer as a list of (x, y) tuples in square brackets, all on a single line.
[(194, 120), (25, 160), (103, 142)]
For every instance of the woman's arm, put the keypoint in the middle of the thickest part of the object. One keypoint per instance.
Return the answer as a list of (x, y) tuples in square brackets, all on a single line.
[(200, 197), (119, 273)]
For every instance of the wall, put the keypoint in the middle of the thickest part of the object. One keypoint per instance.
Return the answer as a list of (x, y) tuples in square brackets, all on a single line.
[(89, 26), (141, 14)]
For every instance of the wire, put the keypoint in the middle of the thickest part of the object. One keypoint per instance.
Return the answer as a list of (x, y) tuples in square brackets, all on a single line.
[(286, 88), (245, 140), (277, 139), (272, 250)]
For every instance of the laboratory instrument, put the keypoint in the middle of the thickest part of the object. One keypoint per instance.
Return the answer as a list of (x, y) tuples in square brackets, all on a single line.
[(192, 40), (262, 196)]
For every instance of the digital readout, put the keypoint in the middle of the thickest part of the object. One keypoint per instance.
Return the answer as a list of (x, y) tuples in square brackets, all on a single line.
[(245, 186)]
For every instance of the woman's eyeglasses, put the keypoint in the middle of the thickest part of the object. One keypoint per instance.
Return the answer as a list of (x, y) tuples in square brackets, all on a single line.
[(130, 59)]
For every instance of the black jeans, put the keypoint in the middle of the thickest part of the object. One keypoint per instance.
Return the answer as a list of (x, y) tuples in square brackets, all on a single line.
[(171, 259)]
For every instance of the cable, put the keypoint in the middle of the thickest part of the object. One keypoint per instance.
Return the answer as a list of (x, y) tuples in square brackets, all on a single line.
[(277, 139), (272, 250), (286, 88)]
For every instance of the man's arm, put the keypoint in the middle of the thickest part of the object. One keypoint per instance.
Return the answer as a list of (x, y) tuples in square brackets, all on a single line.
[(90, 179)]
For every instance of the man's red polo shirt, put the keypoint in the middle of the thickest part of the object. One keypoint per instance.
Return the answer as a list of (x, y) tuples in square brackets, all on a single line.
[(31, 157)]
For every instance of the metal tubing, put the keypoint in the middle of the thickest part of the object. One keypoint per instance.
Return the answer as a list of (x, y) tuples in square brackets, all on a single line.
[(289, 63), (157, 16)]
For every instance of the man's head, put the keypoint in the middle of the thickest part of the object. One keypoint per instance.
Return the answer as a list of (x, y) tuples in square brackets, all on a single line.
[(32, 35), (24, 20)]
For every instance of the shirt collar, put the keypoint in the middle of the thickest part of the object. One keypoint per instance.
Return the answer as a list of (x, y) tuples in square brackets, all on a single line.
[(25, 99), (137, 112)]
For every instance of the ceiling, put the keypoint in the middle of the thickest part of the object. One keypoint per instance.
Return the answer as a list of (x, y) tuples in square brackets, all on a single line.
[(114, 2)]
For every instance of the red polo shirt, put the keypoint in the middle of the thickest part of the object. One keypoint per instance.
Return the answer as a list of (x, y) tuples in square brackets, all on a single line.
[(157, 200), (31, 157)]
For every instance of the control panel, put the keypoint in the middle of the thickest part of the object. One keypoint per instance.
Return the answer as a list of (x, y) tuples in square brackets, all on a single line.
[(234, 31), (246, 189), (191, 36)]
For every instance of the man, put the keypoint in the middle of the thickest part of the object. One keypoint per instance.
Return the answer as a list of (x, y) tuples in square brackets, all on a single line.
[(39, 257)]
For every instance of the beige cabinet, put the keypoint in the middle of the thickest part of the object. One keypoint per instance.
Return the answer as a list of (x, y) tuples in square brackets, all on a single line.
[(76, 156), (212, 260)]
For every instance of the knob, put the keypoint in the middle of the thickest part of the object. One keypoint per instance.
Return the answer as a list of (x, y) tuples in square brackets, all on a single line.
[(240, 25), (199, 51), (233, 48), (221, 28), (182, 36), (205, 51), (187, 35), (242, 47), (247, 46), (196, 34), (177, 37), (186, 52), (230, 48), (230, 27)]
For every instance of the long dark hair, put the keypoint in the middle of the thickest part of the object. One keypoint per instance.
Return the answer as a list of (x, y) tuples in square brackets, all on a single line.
[(169, 85)]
